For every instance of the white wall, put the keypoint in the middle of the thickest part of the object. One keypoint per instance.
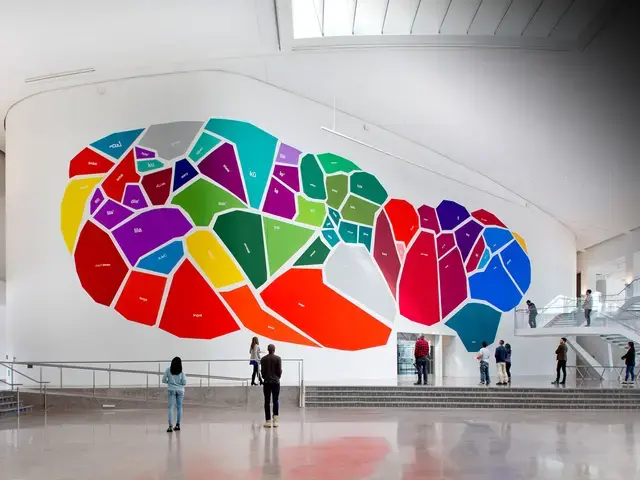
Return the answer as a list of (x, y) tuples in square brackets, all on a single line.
[(50, 316), (625, 246)]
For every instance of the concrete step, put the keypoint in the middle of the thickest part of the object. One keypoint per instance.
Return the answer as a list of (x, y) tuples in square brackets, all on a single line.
[(468, 398), (490, 394), (481, 390), (472, 405), (5, 412)]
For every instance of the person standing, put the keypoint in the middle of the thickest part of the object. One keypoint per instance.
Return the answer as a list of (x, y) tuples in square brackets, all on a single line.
[(588, 306), (271, 366), (508, 361), (561, 358), (483, 357), (421, 354), (501, 363), (175, 379), (630, 361), (533, 313), (254, 360)]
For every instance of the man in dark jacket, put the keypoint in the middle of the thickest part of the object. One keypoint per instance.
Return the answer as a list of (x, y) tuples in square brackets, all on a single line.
[(501, 359), (533, 313), (630, 361), (271, 367), (561, 357)]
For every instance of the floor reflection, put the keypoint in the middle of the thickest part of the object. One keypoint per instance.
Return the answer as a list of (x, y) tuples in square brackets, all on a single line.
[(334, 444)]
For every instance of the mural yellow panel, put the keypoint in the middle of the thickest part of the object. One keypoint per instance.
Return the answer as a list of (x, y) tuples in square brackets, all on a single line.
[(73, 205), (214, 261)]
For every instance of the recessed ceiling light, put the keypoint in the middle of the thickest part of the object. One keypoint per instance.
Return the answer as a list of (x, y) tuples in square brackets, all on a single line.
[(52, 76)]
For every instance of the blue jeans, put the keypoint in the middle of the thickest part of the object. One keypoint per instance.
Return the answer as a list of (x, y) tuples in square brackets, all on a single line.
[(175, 400), (630, 373), (484, 373)]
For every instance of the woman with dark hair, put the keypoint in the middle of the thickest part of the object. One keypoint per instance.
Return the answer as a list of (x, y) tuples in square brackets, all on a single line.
[(630, 361), (254, 360), (508, 361), (175, 380)]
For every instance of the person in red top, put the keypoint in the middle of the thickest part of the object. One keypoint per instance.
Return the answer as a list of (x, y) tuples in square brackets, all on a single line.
[(421, 352)]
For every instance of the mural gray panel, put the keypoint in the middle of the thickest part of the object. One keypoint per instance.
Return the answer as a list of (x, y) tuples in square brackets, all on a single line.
[(170, 140), (351, 270)]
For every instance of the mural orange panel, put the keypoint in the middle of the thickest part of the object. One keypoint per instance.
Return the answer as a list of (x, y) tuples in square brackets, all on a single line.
[(487, 218), (89, 162), (125, 172), (248, 310), (101, 269), (141, 298), (403, 218), (300, 296), (418, 295), (193, 309)]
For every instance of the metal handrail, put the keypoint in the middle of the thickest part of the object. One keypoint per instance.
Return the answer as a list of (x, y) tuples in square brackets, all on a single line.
[(22, 374), (90, 366), (121, 370)]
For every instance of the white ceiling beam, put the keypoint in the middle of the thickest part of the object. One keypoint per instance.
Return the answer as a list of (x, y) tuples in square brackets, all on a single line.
[(503, 17), (473, 19), (444, 17), (532, 17), (564, 14), (413, 22)]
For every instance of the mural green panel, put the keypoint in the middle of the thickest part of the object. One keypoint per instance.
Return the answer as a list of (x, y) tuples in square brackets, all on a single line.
[(144, 166), (310, 212), (241, 232), (312, 178), (256, 149), (283, 241), (202, 200), (358, 210), (316, 254), (337, 189), (332, 163), (368, 186)]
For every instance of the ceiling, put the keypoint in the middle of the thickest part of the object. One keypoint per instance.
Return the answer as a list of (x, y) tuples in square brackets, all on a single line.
[(552, 24), (555, 123)]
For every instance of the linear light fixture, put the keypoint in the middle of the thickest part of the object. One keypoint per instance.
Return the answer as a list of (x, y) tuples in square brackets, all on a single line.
[(52, 76), (422, 167)]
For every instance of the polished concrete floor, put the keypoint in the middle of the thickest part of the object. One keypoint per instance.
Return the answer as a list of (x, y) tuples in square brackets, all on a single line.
[(231, 444), (529, 381)]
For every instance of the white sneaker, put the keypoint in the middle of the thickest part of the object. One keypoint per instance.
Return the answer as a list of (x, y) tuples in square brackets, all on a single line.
[(267, 424), (275, 421)]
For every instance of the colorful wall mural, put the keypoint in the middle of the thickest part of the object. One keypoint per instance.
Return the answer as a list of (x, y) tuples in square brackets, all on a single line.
[(202, 228)]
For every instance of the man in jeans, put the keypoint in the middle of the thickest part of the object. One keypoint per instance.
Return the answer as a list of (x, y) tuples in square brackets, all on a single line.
[(561, 357), (421, 354), (588, 306), (271, 368), (483, 357), (533, 313), (501, 359)]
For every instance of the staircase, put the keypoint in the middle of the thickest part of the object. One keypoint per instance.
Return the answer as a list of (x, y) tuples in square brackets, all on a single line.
[(10, 406), (473, 397), (621, 342)]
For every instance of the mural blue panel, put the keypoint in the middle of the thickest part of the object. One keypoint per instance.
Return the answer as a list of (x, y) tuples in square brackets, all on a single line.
[(518, 265), (496, 238), (183, 173), (164, 259), (475, 323), (484, 260), (495, 287), (451, 214), (116, 144)]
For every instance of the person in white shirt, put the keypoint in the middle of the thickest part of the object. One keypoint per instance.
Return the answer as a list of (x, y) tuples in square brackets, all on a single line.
[(588, 306), (483, 357)]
